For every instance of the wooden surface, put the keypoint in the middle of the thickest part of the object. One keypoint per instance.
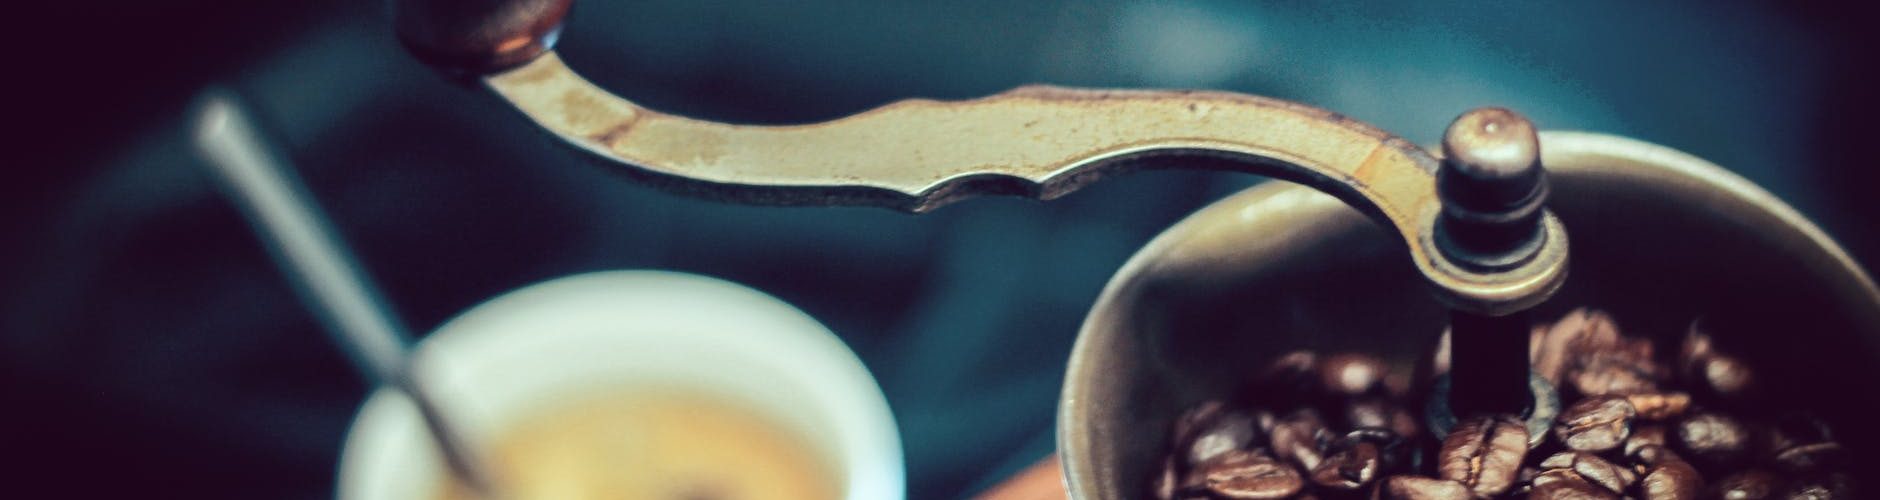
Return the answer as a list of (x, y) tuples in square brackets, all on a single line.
[(1042, 481)]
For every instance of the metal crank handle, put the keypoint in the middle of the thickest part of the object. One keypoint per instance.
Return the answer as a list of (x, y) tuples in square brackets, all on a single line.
[(1482, 239)]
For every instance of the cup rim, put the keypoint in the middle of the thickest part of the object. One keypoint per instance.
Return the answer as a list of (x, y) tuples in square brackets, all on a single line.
[(864, 448)]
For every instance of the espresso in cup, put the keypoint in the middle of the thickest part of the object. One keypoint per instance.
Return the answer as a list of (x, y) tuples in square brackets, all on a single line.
[(672, 445)]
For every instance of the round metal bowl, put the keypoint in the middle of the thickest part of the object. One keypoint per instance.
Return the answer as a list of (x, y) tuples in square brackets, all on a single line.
[(1659, 238)]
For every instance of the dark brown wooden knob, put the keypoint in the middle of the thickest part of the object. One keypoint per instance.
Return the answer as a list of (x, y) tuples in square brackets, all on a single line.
[(477, 37), (1493, 190)]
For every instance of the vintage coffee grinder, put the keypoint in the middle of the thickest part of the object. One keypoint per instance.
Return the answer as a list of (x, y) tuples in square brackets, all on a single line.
[(1657, 237)]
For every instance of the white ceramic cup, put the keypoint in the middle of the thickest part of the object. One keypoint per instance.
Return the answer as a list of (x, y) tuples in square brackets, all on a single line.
[(594, 335)]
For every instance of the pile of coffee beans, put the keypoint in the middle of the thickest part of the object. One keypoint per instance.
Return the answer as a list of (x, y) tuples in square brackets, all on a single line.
[(1633, 424)]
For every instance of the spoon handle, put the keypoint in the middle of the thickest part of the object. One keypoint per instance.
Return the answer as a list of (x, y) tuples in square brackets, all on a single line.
[(263, 185)]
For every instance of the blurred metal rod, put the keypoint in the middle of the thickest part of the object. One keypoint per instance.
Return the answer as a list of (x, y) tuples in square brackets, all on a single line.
[(263, 184)]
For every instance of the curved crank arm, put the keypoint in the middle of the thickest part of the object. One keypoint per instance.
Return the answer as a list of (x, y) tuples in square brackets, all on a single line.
[(1477, 232), (1036, 141)]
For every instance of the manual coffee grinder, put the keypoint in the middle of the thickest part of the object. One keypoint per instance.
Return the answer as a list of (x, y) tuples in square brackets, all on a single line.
[(1658, 237)]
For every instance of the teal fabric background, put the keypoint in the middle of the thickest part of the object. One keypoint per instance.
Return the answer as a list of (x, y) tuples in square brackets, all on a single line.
[(146, 333)]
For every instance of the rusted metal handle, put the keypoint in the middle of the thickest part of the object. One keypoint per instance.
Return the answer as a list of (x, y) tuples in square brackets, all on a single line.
[(1035, 141)]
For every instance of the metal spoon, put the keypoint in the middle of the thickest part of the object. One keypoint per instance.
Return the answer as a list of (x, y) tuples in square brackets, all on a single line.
[(262, 183)]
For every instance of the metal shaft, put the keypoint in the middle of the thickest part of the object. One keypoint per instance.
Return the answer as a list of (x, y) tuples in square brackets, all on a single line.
[(1493, 190), (1488, 364)]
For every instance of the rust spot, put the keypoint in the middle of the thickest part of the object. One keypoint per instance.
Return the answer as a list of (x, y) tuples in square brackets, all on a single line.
[(1368, 167), (614, 133), (619, 130), (589, 114)]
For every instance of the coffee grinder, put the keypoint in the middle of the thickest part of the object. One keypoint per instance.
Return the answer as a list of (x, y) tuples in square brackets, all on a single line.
[(1657, 236)]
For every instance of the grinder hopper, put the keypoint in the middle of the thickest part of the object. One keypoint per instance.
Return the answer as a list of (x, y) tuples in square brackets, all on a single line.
[(1659, 238)]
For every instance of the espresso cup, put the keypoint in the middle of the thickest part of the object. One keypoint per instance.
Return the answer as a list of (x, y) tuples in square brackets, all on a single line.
[(615, 333)]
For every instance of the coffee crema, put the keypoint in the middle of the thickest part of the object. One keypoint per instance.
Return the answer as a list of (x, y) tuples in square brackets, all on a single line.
[(656, 446)]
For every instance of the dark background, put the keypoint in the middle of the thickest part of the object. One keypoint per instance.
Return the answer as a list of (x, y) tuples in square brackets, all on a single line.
[(150, 346)]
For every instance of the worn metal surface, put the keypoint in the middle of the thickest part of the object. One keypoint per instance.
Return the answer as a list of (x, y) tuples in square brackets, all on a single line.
[(1035, 141)]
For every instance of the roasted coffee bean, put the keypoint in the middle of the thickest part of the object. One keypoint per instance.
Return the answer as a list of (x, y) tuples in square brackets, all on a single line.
[(1713, 437), (1194, 484), (1350, 374), (1643, 435), (1605, 376), (1794, 430), (1484, 454), (1717, 373), (1396, 452), (1526, 475), (1563, 484), (1626, 415), (1586, 329), (1600, 329), (1567, 340), (1298, 438), (1672, 481), (1350, 465), (1230, 430), (1568, 488), (1660, 405), (1398, 384), (1191, 421), (1552, 475), (1369, 412), (1639, 353), (1595, 424), (1618, 367), (1592, 469), (1167, 481), (1264, 420), (1652, 455), (1250, 475), (1290, 377), (1423, 488), (1753, 484), (1667, 476), (1726, 376), (1820, 487), (1696, 347), (1382, 414), (1599, 338), (1293, 363), (1809, 457)]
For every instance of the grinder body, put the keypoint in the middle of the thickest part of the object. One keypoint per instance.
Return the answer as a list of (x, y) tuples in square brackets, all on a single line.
[(1660, 238)]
